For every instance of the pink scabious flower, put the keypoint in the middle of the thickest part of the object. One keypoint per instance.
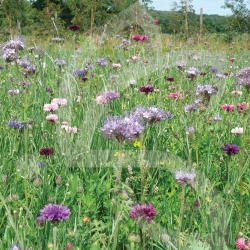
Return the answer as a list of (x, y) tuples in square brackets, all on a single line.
[(100, 99), (52, 118), (237, 131), (50, 107), (242, 106), (134, 58), (236, 92), (232, 59), (174, 95), (241, 243), (228, 107), (116, 65), (78, 99), (60, 101)]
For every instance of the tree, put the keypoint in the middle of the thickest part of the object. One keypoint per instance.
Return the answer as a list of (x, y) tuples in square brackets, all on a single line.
[(14, 11), (240, 19)]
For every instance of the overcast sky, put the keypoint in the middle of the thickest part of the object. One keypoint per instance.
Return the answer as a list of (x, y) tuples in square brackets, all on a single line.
[(209, 6)]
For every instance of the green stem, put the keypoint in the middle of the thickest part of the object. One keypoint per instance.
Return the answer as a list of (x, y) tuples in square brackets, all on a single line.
[(132, 245), (181, 213), (54, 237)]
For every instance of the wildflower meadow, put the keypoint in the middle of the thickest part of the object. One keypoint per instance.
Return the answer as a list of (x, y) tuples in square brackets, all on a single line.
[(124, 142)]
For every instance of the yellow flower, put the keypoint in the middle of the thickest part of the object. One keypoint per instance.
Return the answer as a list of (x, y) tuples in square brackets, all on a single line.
[(150, 97), (124, 105), (137, 144), (161, 162), (208, 199), (76, 108), (117, 154)]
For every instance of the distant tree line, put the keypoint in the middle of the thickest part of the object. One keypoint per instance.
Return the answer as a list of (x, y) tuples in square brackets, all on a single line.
[(52, 17)]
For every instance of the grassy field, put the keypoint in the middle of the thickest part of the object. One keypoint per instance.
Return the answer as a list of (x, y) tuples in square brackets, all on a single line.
[(134, 144)]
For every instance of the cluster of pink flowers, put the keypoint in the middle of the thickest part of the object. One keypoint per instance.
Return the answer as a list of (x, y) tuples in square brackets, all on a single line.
[(174, 95), (236, 92), (242, 106), (232, 59), (228, 107), (237, 131), (68, 129), (139, 38), (116, 65)]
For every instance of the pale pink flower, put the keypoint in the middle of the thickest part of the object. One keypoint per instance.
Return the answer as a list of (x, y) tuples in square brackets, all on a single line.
[(100, 99), (78, 99), (72, 130), (242, 106), (237, 131), (236, 92), (50, 107), (232, 59), (116, 65), (64, 125), (52, 118), (174, 95), (60, 101), (134, 58), (241, 243)]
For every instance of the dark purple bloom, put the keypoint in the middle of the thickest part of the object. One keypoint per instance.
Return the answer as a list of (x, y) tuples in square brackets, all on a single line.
[(24, 84), (182, 177), (74, 27), (170, 79), (196, 205), (46, 151), (147, 89), (39, 220), (15, 125), (231, 149), (55, 213), (169, 115), (1, 67), (85, 79), (203, 73), (143, 212), (13, 92), (111, 95)]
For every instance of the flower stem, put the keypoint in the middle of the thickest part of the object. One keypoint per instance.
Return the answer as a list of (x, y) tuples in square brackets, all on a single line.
[(181, 213), (54, 237)]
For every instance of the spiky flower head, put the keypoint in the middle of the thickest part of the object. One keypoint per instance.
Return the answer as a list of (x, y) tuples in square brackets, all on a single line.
[(182, 177), (143, 212), (55, 213), (231, 149)]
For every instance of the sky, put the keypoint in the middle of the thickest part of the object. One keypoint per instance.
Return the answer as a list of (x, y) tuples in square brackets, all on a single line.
[(209, 6)]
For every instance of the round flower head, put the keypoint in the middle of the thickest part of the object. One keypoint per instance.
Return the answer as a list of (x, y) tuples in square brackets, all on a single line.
[(60, 101), (50, 107), (231, 149), (46, 151), (143, 212), (182, 177), (74, 27), (52, 118), (55, 213), (147, 89), (242, 243)]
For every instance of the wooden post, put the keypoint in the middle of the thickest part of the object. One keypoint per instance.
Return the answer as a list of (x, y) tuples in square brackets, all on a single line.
[(201, 13), (186, 16)]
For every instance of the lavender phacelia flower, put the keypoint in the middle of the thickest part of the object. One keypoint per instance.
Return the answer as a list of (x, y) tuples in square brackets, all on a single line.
[(55, 213), (214, 70), (243, 77), (80, 72), (190, 108), (182, 177), (102, 61), (181, 65), (111, 95), (143, 212), (60, 62), (206, 91), (230, 149)]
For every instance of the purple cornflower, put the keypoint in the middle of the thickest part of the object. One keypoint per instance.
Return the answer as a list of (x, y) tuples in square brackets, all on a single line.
[(143, 212), (127, 129), (49, 90), (231, 149), (190, 108), (147, 89), (190, 131), (13, 92), (214, 70), (24, 84), (46, 151), (15, 125), (60, 62), (85, 79), (80, 72), (55, 213), (169, 115), (41, 164), (111, 95), (1, 67), (182, 177)]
